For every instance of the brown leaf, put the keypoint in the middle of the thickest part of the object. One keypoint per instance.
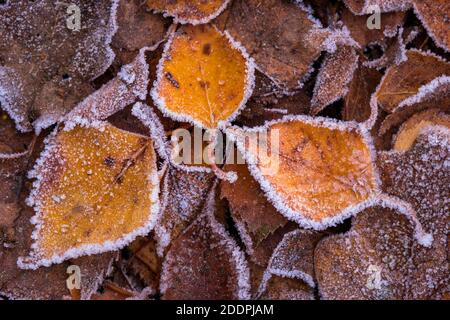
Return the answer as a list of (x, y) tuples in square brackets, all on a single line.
[(205, 263), (357, 101), (421, 177), (334, 77), (368, 262), (46, 67), (434, 16), (404, 80), (359, 31), (184, 194), (137, 29), (279, 35), (249, 206)]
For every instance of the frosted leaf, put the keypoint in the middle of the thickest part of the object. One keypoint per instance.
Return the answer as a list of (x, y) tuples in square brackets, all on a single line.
[(12, 169), (334, 78), (184, 195), (204, 262), (96, 190), (314, 177), (129, 85), (370, 261), (15, 237), (293, 257), (394, 50), (435, 94), (269, 102), (279, 288), (189, 11), (404, 80), (357, 101), (357, 25), (137, 29), (250, 210), (282, 37), (204, 77), (421, 177), (410, 129), (361, 7), (434, 16), (144, 262), (45, 65)]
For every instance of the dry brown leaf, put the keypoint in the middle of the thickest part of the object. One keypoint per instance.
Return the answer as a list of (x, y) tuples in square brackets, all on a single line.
[(256, 217), (421, 177), (45, 66), (359, 31), (410, 129), (185, 194), (435, 94), (281, 36), (96, 190), (334, 77), (357, 101), (370, 261), (205, 263), (189, 11), (136, 29), (434, 15), (404, 80), (203, 77)]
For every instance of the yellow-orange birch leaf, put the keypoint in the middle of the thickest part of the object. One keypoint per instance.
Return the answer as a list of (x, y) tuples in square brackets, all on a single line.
[(204, 77), (315, 171), (97, 189), (189, 11)]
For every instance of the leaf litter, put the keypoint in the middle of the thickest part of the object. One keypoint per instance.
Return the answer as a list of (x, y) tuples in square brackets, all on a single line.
[(384, 167)]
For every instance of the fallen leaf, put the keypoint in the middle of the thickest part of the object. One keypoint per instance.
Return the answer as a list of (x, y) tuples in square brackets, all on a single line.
[(368, 262), (249, 206), (282, 37), (357, 101), (203, 78), (189, 11), (204, 262), (96, 190), (410, 129), (404, 80), (421, 177), (46, 67), (359, 31), (435, 94), (317, 171), (334, 77), (184, 196), (434, 16), (136, 29)]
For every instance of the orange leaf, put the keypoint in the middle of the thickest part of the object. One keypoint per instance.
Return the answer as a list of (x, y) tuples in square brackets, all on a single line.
[(203, 77), (189, 11), (96, 190), (321, 172)]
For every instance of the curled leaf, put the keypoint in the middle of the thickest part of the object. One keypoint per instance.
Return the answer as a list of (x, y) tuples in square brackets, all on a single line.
[(189, 11), (203, 77), (96, 190), (334, 77)]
